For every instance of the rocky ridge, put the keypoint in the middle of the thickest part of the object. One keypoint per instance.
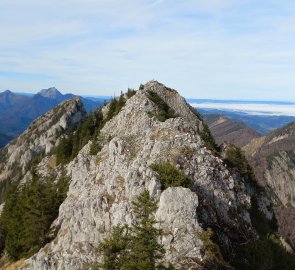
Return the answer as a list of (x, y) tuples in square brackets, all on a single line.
[(39, 139), (17, 111), (103, 186)]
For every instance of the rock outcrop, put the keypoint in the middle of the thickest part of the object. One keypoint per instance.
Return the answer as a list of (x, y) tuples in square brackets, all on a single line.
[(39, 139), (103, 186)]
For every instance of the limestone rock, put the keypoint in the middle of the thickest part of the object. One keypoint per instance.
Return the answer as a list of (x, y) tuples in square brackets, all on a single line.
[(103, 187)]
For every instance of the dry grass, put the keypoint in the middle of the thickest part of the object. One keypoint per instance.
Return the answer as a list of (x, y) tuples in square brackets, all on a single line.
[(14, 265), (52, 162)]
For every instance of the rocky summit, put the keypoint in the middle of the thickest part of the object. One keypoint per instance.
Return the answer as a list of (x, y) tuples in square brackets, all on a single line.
[(154, 127)]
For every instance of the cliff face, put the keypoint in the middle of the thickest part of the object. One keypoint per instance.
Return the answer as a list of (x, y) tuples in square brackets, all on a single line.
[(38, 139), (273, 160), (103, 186)]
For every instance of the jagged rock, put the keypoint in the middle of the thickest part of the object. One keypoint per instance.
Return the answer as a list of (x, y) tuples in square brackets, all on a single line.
[(102, 187), (39, 138)]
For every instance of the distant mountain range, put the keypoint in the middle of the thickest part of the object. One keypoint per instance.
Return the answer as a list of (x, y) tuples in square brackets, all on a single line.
[(227, 130), (262, 123), (263, 116), (17, 111)]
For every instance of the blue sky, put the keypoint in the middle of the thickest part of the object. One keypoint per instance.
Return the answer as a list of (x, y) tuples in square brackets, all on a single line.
[(220, 49)]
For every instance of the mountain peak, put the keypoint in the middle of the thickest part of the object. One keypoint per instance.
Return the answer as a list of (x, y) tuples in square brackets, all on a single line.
[(7, 93), (51, 92)]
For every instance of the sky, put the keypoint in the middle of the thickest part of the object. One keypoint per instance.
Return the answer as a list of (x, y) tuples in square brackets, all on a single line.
[(216, 49)]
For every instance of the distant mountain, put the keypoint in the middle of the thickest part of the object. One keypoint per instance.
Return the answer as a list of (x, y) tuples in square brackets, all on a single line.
[(9, 100), (51, 93), (232, 131), (17, 111), (264, 124), (273, 159)]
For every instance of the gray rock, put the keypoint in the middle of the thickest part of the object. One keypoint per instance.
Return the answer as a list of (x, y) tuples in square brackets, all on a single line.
[(103, 187)]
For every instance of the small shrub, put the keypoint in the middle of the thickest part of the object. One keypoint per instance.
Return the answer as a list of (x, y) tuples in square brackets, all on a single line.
[(130, 93), (211, 251), (235, 158), (95, 147), (207, 137), (264, 254), (165, 112), (169, 176)]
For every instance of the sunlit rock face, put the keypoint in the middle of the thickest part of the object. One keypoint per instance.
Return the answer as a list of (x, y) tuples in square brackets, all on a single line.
[(103, 186)]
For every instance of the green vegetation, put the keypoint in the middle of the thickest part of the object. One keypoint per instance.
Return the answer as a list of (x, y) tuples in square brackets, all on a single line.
[(262, 225), (4, 186), (28, 213), (211, 251), (115, 107), (169, 176), (235, 158), (130, 93), (71, 144), (264, 254), (135, 247), (207, 137), (165, 112)]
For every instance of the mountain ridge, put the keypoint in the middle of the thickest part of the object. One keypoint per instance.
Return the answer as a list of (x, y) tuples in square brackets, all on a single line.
[(18, 111), (131, 141), (225, 129), (146, 140)]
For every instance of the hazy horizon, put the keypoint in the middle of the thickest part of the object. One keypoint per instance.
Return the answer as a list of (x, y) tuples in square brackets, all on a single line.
[(189, 99)]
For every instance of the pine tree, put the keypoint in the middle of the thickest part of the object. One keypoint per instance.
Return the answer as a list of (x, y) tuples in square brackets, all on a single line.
[(135, 247), (146, 251), (115, 249), (28, 213)]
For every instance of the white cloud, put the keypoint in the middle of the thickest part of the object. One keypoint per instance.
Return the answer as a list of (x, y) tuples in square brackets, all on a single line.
[(250, 108)]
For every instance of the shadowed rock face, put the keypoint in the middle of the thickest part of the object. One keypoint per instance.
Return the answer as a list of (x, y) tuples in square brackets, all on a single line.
[(103, 186), (39, 138), (227, 130), (273, 160)]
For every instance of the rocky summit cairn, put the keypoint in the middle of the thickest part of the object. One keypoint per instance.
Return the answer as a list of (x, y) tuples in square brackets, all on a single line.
[(155, 128)]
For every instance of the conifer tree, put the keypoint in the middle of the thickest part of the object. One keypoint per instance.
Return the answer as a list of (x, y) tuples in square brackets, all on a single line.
[(136, 247), (146, 251), (28, 213)]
